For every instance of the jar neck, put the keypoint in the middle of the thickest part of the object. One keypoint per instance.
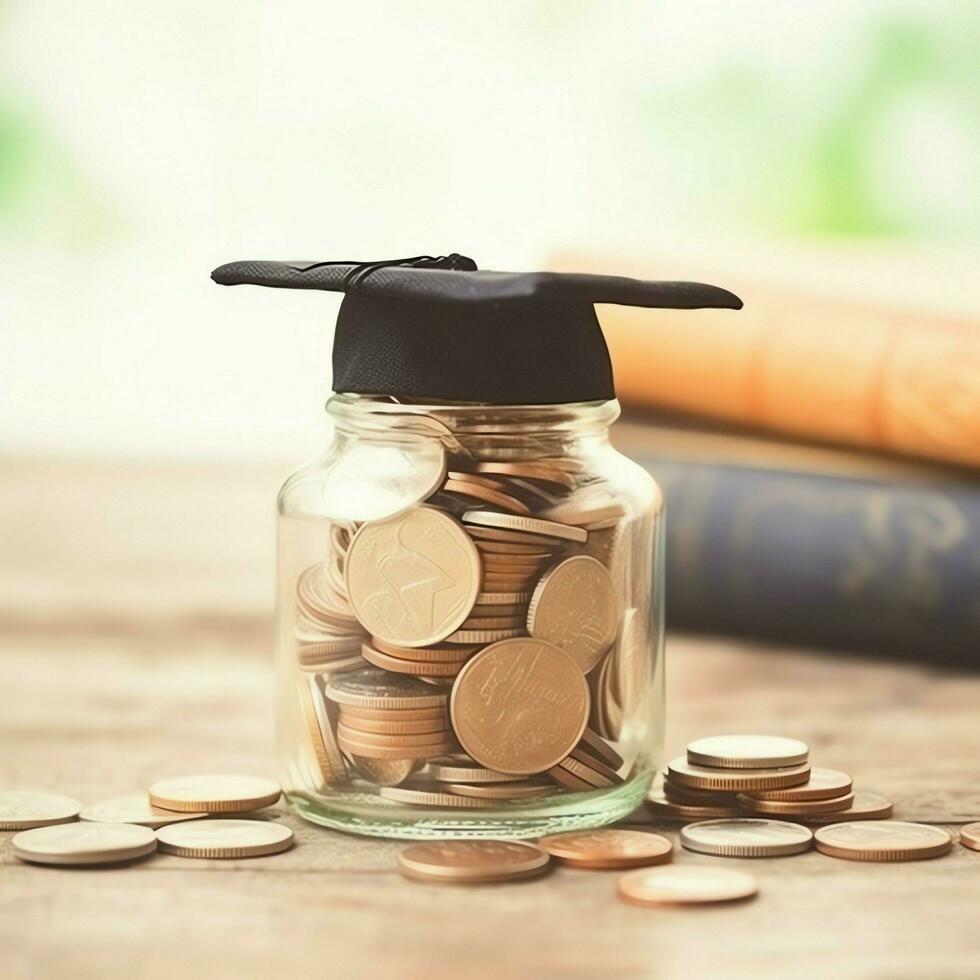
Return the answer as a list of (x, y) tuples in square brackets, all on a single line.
[(519, 431)]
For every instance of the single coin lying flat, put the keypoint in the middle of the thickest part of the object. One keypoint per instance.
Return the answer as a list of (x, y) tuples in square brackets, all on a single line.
[(865, 806), (21, 809), (970, 836), (883, 840), (746, 837), (606, 849), (747, 751), (472, 861), (686, 885), (84, 843), (225, 838), (215, 793), (134, 808)]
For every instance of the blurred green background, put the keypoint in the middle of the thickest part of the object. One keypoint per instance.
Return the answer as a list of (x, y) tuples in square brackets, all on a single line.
[(143, 144)]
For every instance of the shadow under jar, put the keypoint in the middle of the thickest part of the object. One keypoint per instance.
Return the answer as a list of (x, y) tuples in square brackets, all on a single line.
[(470, 622), (470, 596)]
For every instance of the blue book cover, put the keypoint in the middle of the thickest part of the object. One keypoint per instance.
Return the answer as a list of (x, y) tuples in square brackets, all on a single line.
[(817, 547)]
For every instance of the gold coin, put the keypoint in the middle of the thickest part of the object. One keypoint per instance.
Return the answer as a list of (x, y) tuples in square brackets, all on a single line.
[(514, 549), (530, 471), (823, 784), (353, 714), (517, 790), (502, 598), (518, 610), (686, 885), (433, 668), (486, 636), (434, 796), (414, 740), (343, 665), (372, 687), (595, 767), (84, 843), (666, 809), (970, 836), (585, 773), (570, 781), (574, 607), (412, 579), (866, 806), (520, 706), (883, 840), (417, 727), (21, 809), (479, 492), (507, 623), (795, 808), (698, 797), (747, 752), (134, 808), (608, 849), (685, 773), (329, 649), (365, 750), (225, 838), (449, 773), (530, 525), (445, 654), (386, 772), (503, 536), (320, 730), (215, 793), (472, 861), (600, 750), (746, 837)]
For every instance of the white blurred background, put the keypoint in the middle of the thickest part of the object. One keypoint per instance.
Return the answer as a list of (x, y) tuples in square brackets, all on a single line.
[(142, 144)]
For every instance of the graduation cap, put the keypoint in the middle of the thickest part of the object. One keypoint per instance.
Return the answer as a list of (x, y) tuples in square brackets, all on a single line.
[(437, 328)]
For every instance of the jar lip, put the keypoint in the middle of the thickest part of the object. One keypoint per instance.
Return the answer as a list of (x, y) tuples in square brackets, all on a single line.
[(475, 417)]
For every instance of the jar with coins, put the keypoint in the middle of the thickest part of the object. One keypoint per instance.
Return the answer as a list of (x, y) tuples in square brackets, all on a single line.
[(470, 579)]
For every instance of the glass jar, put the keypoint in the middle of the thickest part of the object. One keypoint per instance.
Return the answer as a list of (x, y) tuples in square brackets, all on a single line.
[(470, 622)]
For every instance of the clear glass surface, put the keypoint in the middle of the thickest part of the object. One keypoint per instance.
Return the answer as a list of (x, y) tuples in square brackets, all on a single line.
[(387, 458)]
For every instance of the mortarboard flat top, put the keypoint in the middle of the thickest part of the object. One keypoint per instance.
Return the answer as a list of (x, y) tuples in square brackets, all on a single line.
[(436, 327)]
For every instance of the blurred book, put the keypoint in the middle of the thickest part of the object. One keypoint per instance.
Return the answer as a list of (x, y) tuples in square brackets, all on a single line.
[(897, 370), (819, 547)]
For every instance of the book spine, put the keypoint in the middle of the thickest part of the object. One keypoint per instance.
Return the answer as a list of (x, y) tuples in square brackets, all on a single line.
[(823, 560), (816, 368)]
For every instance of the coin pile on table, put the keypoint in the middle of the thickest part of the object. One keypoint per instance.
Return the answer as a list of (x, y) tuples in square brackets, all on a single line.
[(461, 646), (175, 816), (727, 776)]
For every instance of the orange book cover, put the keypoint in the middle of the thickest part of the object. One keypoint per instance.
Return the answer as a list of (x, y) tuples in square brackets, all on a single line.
[(822, 368)]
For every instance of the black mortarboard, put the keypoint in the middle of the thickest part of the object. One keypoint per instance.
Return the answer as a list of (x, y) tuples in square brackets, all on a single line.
[(436, 328)]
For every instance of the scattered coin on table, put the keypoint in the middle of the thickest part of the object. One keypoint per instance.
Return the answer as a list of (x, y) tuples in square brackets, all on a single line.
[(746, 837), (21, 809), (681, 884), (84, 843), (215, 793), (970, 836), (608, 849), (225, 838), (747, 751), (134, 808), (883, 840), (472, 861)]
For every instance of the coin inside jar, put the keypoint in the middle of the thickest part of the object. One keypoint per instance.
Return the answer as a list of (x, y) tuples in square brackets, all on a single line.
[(520, 706), (413, 578), (472, 861), (574, 607)]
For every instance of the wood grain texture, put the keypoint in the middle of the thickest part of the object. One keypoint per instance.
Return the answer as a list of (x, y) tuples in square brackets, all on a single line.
[(96, 705)]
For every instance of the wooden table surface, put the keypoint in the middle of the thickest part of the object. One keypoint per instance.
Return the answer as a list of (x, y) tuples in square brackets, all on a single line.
[(135, 643)]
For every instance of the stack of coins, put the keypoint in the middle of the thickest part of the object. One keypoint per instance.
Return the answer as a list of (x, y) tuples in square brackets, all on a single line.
[(457, 642), (728, 776)]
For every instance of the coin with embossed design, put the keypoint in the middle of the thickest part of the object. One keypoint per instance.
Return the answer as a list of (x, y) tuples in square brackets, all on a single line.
[(413, 579), (574, 607), (520, 706)]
